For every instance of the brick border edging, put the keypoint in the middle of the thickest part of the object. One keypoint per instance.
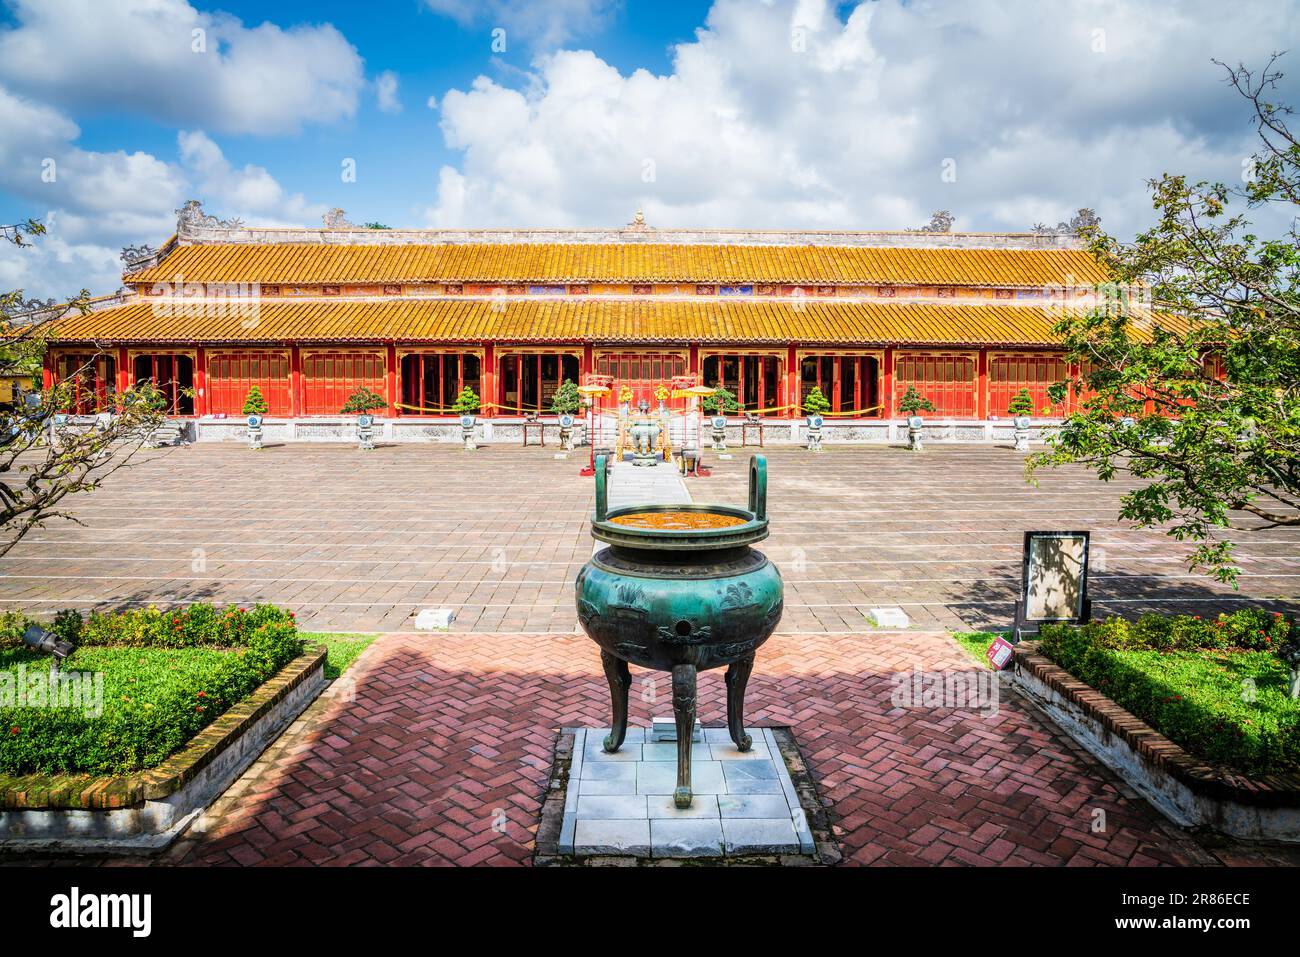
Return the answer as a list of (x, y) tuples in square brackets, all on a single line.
[(90, 792), (1153, 748)]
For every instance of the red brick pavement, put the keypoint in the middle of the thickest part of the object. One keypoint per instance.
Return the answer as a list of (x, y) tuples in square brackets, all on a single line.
[(443, 754)]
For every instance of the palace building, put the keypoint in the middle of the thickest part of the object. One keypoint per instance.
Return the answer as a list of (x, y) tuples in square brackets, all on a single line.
[(309, 315)]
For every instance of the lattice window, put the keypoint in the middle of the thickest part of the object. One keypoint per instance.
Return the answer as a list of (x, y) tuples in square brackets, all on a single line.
[(1009, 374), (329, 378), (949, 381), (232, 374)]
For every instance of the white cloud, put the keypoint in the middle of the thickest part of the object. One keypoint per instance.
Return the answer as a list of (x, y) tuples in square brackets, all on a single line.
[(145, 56), (250, 192), (782, 114), (542, 24), (386, 92), (94, 203)]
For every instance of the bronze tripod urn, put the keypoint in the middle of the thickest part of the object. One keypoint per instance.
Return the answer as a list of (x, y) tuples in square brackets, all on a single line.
[(678, 588)]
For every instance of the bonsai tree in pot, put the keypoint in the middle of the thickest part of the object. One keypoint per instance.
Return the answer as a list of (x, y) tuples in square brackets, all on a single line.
[(717, 406), (1020, 408), (255, 408), (910, 405), (815, 405), (255, 402), (467, 406), (361, 403), (566, 403)]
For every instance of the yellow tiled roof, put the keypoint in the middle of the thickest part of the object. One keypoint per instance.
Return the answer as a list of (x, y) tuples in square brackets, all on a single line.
[(566, 320), (311, 263)]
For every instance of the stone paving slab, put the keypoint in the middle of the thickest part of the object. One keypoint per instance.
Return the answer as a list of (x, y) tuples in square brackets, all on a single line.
[(499, 534), (724, 818)]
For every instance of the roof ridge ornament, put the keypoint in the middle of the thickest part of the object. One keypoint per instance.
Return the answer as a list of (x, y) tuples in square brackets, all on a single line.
[(336, 219), (191, 216), (638, 223), (1085, 219), (135, 258)]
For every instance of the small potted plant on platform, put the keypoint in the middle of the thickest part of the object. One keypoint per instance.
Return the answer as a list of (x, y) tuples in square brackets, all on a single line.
[(1022, 405), (910, 405), (255, 408), (467, 406), (361, 404), (717, 406), (565, 404), (815, 405)]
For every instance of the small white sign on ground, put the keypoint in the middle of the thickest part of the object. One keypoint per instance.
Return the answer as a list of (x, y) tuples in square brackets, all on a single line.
[(434, 619), (887, 617)]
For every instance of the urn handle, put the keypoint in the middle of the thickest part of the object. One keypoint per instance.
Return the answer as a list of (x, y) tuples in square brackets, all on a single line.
[(758, 486), (602, 491)]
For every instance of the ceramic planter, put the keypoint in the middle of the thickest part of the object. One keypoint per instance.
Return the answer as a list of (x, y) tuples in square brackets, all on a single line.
[(814, 432), (916, 433)]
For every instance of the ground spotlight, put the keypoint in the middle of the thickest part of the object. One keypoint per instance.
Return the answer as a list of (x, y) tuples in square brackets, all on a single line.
[(38, 639)]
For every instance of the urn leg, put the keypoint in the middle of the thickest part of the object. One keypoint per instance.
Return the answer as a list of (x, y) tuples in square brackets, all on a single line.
[(737, 678), (620, 682), (684, 712)]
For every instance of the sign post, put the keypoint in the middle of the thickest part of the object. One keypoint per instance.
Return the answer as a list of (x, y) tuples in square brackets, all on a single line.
[(1054, 581)]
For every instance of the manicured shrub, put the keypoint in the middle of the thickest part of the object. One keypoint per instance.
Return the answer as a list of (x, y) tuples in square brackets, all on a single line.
[(1218, 688), (567, 399), (255, 402), (363, 401), (1022, 403), (167, 675), (1251, 629), (721, 402), (815, 402), (467, 403), (913, 402)]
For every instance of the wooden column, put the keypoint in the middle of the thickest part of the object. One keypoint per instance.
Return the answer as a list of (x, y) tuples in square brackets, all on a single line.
[(47, 370), (888, 400), (125, 374), (390, 379), (297, 402), (982, 386), (791, 381), (489, 398), (201, 381), (693, 364)]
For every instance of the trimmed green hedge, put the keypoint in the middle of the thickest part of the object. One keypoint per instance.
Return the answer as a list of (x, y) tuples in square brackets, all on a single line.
[(167, 675), (1215, 687)]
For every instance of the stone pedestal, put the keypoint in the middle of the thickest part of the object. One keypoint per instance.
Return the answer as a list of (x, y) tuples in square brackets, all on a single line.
[(622, 803)]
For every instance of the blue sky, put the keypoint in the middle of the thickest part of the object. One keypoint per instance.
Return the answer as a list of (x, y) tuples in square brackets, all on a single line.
[(751, 113), (431, 53)]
